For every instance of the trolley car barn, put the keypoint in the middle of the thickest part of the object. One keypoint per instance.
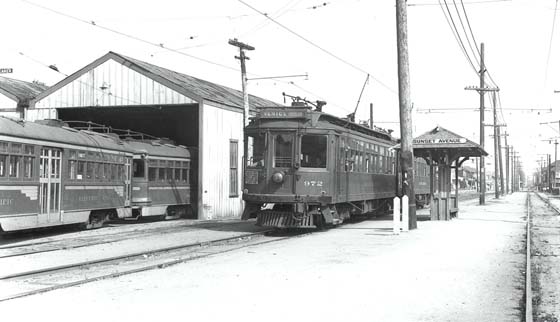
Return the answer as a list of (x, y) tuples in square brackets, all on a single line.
[(126, 93), (15, 96)]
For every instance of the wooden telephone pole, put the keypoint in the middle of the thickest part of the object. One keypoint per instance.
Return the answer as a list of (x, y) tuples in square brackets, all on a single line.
[(242, 47), (482, 89), (405, 113)]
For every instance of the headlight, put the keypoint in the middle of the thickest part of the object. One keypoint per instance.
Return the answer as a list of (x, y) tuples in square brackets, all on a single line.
[(278, 177)]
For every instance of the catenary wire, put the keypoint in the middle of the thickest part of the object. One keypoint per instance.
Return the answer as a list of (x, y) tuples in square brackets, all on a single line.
[(320, 48)]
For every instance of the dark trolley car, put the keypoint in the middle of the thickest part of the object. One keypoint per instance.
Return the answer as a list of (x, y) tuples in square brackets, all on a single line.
[(307, 169)]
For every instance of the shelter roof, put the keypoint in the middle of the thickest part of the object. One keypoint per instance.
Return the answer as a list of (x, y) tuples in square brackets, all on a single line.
[(20, 91), (440, 140)]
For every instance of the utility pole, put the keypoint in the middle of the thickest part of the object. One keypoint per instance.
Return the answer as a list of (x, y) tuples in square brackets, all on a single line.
[(242, 47), (482, 89), (482, 198), (502, 188), (496, 151), (405, 113)]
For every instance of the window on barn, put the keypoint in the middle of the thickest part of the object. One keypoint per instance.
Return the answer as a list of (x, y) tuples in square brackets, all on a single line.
[(233, 169)]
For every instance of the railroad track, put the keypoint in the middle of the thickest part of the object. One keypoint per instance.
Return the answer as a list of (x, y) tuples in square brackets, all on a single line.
[(51, 245), (543, 259), (37, 281)]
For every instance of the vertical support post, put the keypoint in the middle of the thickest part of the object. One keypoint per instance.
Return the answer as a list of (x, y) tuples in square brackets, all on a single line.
[(371, 116), (507, 166), (405, 213), (502, 187), (405, 108), (549, 174), (396, 215), (482, 198), (456, 203), (555, 164), (242, 57), (496, 151)]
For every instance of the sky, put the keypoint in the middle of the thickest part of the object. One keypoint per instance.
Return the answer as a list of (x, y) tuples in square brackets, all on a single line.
[(336, 43)]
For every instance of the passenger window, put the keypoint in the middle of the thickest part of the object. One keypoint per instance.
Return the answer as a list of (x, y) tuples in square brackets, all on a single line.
[(314, 151), (283, 147), (14, 166), (152, 174), (3, 159)]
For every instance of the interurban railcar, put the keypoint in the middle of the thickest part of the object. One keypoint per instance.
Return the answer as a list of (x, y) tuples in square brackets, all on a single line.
[(307, 169), (161, 179), (52, 174)]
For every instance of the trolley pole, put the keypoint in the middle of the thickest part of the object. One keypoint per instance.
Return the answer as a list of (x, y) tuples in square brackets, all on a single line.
[(405, 113)]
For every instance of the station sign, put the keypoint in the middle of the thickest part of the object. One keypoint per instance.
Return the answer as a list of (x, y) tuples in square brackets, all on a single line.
[(6, 70), (440, 141)]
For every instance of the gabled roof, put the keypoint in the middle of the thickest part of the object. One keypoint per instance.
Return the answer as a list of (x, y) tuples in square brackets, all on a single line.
[(440, 139), (20, 91), (192, 87)]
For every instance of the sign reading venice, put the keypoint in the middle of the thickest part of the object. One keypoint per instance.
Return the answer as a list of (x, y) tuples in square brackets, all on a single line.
[(440, 141)]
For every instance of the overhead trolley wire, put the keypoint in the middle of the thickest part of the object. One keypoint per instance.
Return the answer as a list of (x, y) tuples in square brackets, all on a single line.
[(476, 53), (550, 42), (456, 34), (319, 47), (160, 45)]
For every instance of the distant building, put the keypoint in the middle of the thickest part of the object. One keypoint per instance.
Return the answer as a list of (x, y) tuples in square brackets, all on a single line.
[(15, 96)]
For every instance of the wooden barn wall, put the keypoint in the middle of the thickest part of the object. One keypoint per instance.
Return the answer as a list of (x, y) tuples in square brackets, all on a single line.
[(219, 126), (111, 84)]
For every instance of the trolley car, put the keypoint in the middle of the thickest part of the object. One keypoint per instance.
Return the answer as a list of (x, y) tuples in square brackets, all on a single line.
[(308, 169), (52, 174)]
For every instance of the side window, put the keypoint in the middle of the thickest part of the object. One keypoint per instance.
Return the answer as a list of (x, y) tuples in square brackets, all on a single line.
[(152, 170), (313, 151), (3, 162)]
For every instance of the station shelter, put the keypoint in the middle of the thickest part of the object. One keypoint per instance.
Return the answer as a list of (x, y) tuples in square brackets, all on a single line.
[(126, 93), (443, 151), (15, 96)]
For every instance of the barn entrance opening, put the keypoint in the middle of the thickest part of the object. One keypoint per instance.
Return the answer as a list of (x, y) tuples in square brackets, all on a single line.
[(178, 123)]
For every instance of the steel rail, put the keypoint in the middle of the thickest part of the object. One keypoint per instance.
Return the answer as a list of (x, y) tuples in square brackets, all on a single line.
[(528, 284), (138, 269)]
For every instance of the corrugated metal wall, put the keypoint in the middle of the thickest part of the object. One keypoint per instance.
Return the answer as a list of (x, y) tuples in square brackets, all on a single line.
[(112, 84), (218, 128)]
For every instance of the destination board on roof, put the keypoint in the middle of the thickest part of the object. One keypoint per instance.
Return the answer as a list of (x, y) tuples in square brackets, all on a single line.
[(282, 114), (440, 141)]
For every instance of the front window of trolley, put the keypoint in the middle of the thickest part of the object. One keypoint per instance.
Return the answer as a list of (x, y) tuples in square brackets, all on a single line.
[(283, 150), (256, 147)]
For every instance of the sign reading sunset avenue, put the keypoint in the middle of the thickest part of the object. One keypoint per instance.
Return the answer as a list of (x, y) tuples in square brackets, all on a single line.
[(6, 70), (440, 141)]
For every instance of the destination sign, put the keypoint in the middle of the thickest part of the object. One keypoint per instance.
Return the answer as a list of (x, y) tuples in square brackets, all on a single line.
[(283, 114), (6, 70), (440, 141)]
